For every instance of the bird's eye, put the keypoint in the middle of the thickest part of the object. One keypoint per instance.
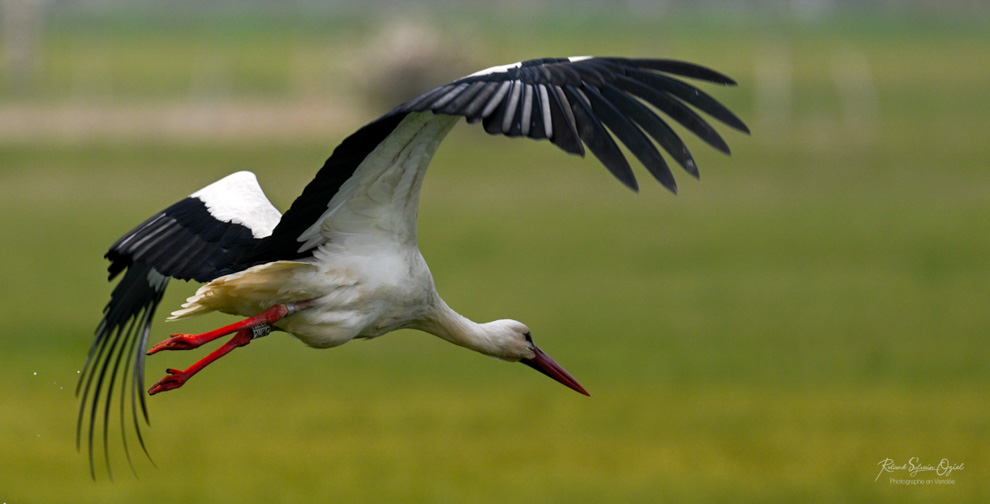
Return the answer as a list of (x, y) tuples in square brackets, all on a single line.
[(529, 337)]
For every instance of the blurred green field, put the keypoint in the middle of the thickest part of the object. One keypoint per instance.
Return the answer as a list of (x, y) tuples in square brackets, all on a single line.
[(815, 304)]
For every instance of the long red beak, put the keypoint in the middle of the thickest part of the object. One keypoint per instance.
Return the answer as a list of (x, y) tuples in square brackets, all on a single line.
[(544, 364)]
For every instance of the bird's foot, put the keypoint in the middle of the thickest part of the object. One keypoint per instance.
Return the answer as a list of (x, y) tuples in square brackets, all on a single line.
[(178, 342), (175, 379)]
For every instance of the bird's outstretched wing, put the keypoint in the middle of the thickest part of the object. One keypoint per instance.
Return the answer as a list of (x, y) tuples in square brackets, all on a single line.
[(198, 238), (572, 102)]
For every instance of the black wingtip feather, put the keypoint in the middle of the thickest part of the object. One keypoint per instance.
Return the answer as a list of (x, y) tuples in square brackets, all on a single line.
[(691, 95), (121, 338), (654, 126), (594, 135), (633, 138), (676, 110), (565, 133), (685, 69)]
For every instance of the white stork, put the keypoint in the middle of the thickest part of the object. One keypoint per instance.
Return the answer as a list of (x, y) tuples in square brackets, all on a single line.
[(342, 262)]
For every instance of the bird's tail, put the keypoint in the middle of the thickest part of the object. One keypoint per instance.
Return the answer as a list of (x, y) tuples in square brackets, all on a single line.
[(245, 292), (192, 307)]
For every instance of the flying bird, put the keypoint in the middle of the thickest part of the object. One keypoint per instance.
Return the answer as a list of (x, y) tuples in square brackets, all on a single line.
[(343, 261)]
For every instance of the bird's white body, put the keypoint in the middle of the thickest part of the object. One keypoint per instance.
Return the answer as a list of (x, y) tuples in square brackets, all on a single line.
[(356, 296), (367, 276)]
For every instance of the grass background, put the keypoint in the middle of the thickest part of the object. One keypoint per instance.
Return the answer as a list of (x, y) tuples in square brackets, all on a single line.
[(817, 303)]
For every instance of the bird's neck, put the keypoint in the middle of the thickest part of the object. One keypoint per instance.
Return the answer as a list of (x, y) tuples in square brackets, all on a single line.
[(446, 323)]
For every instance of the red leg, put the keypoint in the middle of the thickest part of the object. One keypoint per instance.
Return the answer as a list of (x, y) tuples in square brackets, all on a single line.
[(269, 316), (177, 378), (247, 330), (189, 341)]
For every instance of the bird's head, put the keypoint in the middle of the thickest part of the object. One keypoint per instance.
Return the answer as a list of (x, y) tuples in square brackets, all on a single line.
[(514, 343)]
